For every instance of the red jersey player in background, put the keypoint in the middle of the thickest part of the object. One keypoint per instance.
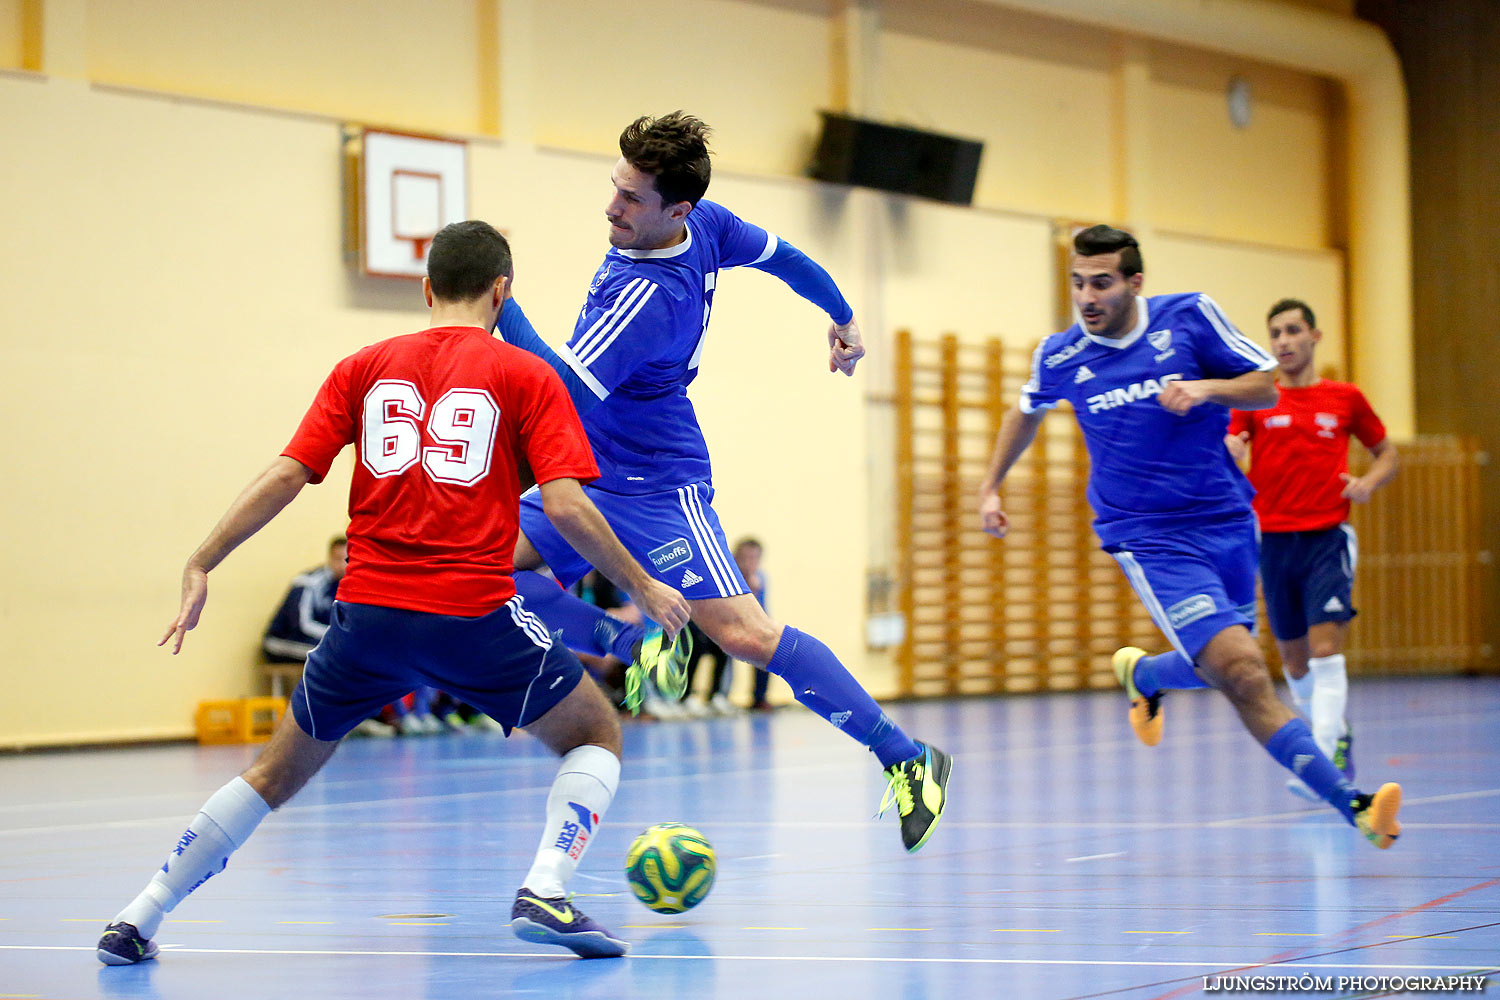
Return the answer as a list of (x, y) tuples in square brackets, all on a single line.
[(440, 420), (1299, 466)]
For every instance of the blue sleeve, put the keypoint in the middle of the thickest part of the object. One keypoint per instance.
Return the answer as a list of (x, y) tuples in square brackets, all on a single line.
[(1036, 394), (516, 330), (1222, 350), (744, 245), (808, 279)]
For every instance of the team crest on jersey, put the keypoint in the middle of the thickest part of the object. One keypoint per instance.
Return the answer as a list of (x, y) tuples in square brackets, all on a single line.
[(599, 277), (1162, 341), (664, 557)]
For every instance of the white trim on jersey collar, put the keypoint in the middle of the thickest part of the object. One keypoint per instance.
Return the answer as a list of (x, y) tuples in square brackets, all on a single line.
[(673, 251), (1120, 343)]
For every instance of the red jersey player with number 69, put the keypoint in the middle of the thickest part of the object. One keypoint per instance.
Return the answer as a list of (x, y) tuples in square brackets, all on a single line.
[(1299, 466), (440, 420)]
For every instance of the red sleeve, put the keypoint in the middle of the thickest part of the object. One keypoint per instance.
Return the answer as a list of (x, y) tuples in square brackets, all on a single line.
[(552, 436), (1239, 422), (1364, 424), (328, 424)]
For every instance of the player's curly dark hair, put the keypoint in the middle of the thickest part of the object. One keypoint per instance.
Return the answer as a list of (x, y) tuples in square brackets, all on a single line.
[(674, 150), (1096, 240), (465, 259)]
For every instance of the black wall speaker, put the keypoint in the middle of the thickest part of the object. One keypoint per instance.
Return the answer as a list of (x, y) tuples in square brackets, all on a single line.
[(893, 158)]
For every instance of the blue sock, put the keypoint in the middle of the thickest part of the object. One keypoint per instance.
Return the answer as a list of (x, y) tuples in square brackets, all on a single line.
[(1295, 749), (822, 683), (1169, 671), (585, 628)]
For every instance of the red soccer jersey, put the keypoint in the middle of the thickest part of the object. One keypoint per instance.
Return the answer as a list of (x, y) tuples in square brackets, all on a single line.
[(439, 420), (1299, 447)]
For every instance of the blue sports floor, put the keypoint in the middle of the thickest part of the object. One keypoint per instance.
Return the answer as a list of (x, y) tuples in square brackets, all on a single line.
[(1072, 862)]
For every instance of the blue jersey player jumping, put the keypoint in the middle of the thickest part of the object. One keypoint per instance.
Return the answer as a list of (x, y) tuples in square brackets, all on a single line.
[(1152, 382), (634, 350)]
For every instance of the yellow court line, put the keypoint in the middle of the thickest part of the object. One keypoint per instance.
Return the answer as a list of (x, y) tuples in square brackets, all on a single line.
[(1283, 934), (1421, 937), (319, 922), (1157, 932), (773, 928)]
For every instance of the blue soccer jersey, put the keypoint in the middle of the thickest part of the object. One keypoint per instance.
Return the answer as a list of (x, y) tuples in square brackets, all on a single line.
[(639, 337), (1151, 468)]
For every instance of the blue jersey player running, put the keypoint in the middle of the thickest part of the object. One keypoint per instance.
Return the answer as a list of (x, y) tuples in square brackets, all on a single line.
[(634, 350), (1152, 381)]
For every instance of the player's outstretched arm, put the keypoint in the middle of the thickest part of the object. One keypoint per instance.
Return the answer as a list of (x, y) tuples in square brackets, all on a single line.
[(1017, 431), (516, 330), (262, 500), (583, 527)]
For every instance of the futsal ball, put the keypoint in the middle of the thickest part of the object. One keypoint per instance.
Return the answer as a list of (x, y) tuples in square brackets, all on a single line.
[(671, 867)]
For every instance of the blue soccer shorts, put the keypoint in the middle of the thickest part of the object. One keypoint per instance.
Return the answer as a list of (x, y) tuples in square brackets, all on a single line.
[(1308, 578), (1195, 582), (505, 664), (675, 534)]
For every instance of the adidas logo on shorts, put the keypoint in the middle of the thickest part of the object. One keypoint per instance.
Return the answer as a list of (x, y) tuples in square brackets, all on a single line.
[(1334, 604), (689, 579)]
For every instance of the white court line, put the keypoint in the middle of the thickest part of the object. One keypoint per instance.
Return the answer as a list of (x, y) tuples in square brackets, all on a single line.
[(1262, 820), (888, 960), (636, 763), (1098, 857)]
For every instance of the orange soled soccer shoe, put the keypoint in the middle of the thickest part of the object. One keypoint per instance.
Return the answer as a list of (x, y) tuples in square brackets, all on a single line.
[(1145, 713), (1375, 815)]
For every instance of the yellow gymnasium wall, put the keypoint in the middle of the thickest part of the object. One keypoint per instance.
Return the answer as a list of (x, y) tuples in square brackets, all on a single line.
[(12, 50), (173, 292)]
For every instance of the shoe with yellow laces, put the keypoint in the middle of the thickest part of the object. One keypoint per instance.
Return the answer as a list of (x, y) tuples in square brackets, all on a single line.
[(918, 788), (661, 664)]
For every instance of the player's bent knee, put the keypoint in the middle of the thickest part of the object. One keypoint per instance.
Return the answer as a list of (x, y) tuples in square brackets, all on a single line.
[(584, 716), (1246, 681)]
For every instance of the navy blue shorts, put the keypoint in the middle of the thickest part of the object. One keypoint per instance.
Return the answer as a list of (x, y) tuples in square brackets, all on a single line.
[(1308, 578), (1195, 582), (505, 664), (675, 534)]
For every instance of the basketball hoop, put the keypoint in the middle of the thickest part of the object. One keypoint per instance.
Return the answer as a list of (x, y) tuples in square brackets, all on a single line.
[(417, 209)]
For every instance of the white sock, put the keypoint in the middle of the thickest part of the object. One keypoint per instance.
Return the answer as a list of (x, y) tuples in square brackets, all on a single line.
[(226, 821), (1330, 696), (1302, 691), (585, 785)]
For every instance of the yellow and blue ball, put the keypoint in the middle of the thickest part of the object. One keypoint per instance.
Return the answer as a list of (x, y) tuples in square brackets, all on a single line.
[(671, 867)]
